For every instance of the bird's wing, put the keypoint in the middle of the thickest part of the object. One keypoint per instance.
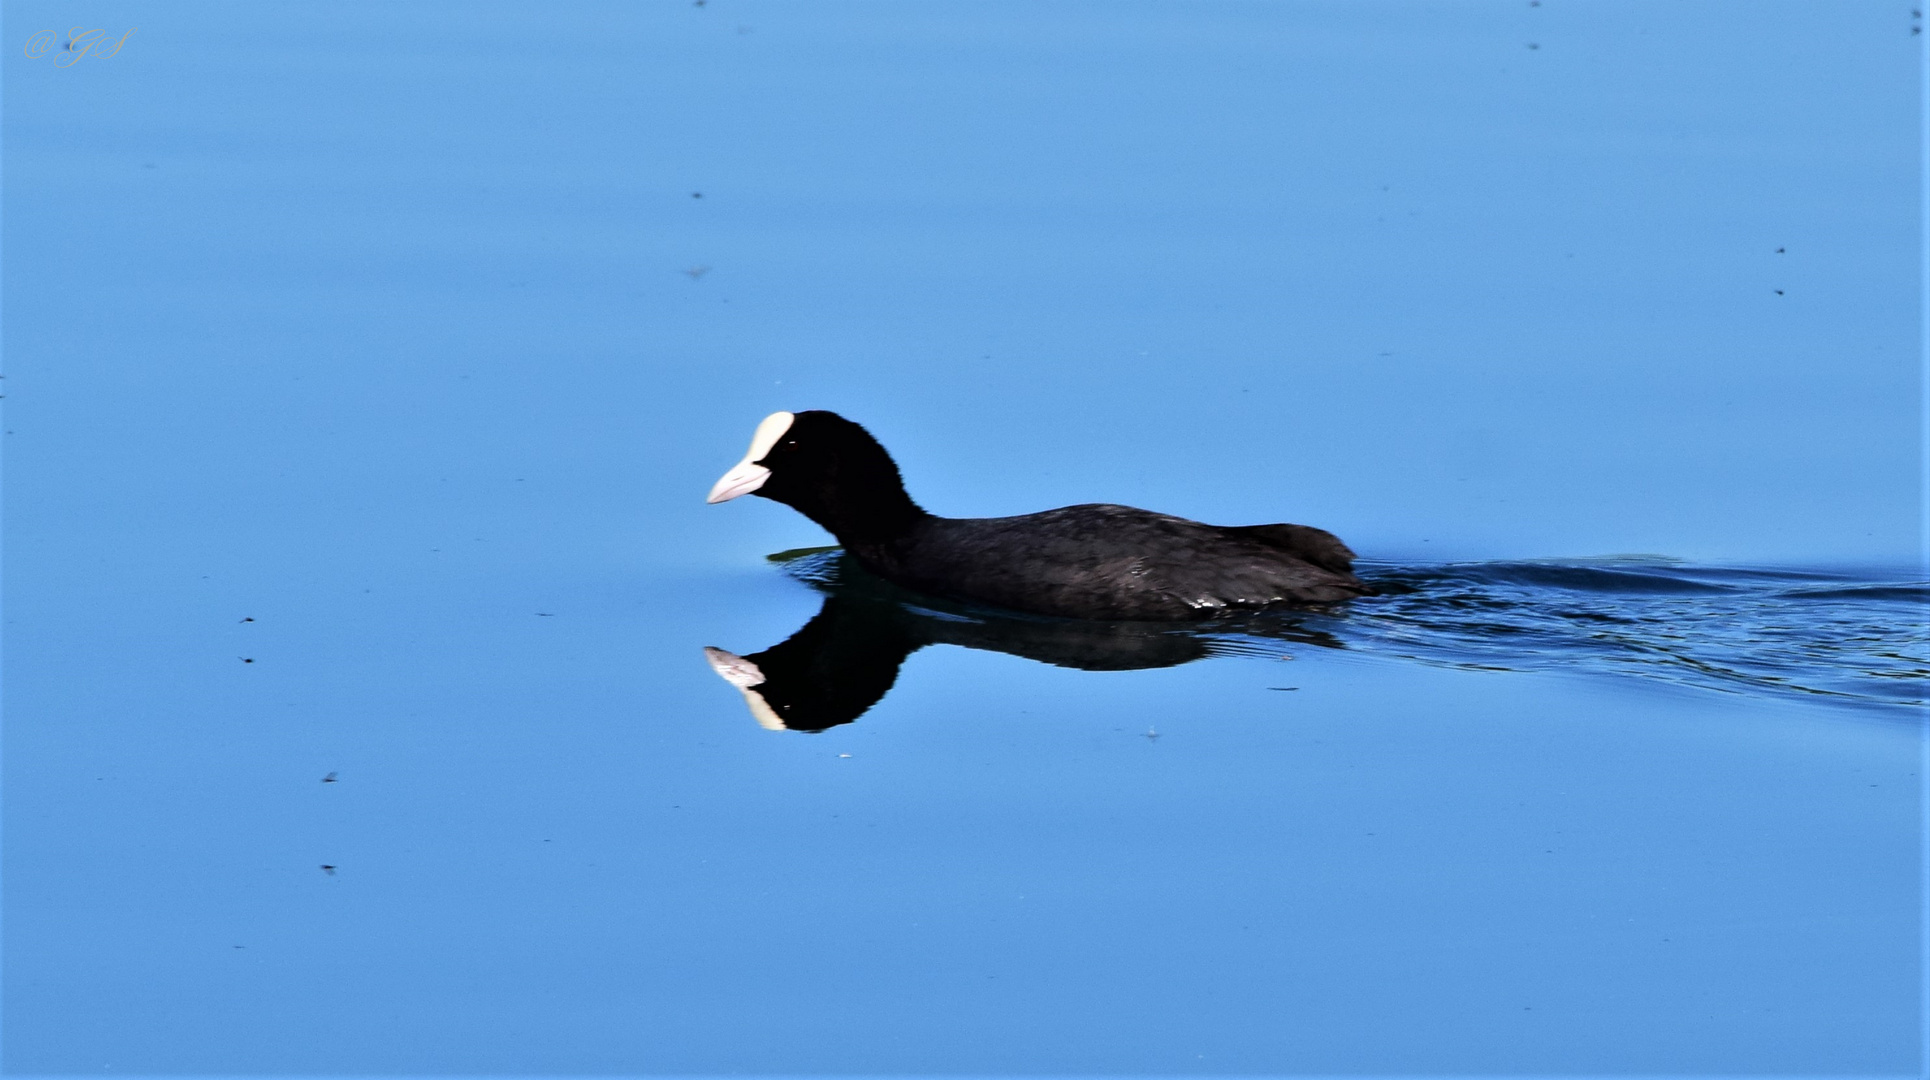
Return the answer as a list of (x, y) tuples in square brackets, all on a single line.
[(1304, 542)]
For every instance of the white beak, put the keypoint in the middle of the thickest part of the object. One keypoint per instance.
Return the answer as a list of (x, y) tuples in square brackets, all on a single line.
[(748, 476), (742, 480)]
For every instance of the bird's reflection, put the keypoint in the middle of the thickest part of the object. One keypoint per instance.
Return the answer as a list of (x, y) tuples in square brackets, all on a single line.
[(847, 657)]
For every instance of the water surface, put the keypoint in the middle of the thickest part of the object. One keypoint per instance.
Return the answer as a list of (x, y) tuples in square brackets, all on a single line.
[(367, 366), (1754, 632)]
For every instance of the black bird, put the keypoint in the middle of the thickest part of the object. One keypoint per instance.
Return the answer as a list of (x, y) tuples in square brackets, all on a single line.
[(1094, 561)]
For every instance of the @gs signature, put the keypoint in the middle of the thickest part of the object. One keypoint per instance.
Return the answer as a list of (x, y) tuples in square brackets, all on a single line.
[(79, 45)]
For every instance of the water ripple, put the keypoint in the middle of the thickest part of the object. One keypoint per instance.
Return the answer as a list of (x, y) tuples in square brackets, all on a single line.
[(1780, 632), (1860, 639)]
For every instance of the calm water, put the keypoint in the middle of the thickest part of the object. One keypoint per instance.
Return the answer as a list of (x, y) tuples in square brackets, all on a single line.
[(367, 366)]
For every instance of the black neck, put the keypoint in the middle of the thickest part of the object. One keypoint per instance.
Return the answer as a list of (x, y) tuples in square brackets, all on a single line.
[(848, 484), (863, 516)]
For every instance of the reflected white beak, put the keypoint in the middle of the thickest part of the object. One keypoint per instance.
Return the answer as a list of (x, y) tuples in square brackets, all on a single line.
[(733, 668), (744, 675), (742, 480)]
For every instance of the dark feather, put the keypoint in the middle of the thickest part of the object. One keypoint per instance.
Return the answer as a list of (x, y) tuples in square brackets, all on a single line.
[(1303, 542), (1094, 561)]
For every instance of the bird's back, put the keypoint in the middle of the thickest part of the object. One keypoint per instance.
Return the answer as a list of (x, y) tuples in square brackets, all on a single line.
[(1118, 562)]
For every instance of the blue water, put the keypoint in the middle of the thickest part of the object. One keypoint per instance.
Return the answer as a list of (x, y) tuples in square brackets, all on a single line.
[(366, 367)]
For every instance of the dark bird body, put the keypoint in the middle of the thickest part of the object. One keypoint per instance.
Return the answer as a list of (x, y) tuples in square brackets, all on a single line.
[(1093, 561), (1115, 562)]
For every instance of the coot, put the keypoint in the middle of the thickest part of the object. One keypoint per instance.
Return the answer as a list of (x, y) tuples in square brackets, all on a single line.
[(1094, 561)]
